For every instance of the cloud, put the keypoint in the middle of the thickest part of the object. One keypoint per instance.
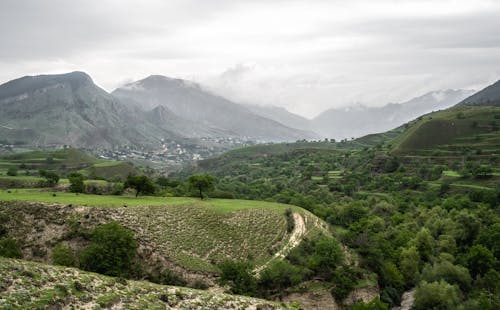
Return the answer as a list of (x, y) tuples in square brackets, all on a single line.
[(304, 55)]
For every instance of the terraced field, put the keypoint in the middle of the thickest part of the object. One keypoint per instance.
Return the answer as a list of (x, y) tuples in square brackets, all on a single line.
[(187, 232), (29, 285)]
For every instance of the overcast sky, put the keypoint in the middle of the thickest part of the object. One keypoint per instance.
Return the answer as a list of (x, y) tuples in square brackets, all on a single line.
[(304, 55)]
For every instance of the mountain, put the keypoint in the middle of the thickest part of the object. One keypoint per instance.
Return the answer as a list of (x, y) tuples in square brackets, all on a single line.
[(490, 96), (190, 102), (361, 120), (281, 115), (49, 110)]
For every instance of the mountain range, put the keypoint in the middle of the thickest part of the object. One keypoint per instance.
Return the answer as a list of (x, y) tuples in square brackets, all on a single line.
[(69, 109)]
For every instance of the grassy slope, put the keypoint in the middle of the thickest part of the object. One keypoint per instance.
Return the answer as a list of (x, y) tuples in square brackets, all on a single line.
[(191, 233), (28, 285)]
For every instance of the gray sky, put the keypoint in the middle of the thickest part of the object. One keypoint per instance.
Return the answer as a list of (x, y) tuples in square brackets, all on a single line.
[(306, 55)]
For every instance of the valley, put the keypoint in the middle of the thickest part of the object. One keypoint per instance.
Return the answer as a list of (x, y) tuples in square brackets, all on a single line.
[(378, 222)]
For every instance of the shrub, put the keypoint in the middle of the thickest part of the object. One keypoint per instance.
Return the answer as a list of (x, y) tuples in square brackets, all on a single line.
[(9, 248), (111, 250), (279, 276), (344, 281), (166, 277), (63, 255), (290, 222), (238, 275), (375, 304)]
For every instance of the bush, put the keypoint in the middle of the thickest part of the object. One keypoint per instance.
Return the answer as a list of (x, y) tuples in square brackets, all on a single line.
[(51, 178), (290, 222), (63, 255), (238, 275), (9, 248), (166, 277), (111, 250), (279, 276), (344, 281), (375, 304)]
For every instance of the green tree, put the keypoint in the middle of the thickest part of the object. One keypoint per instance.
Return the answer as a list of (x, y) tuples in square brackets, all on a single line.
[(50, 177), (12, 172), (453, 274), (325, 257), (436, 295), (480, 260), (141, 183), (409, 264), (424, 243), (111, 250), (76, 182), (202, 183)]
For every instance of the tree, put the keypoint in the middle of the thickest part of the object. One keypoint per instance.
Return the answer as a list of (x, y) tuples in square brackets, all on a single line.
[(409, 264), (76, 181), (50, 177), (12, 172), (141, 183), (201, 182), (111, 250), (436, 295), (480, 260)]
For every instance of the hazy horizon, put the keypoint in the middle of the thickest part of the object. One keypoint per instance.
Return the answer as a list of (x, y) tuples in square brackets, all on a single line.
[(307, 57)]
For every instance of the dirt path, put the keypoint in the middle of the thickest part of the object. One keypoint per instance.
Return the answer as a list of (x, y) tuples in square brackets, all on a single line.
[(295, 237)]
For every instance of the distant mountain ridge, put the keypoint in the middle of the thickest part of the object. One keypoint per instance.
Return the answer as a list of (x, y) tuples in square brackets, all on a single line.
[(361, 120), (189, 101), (69, 109)]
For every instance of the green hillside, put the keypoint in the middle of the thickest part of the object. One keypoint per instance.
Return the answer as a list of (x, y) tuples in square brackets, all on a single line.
[(64, 161), (29, 285), (452, 132), (194, 235)]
